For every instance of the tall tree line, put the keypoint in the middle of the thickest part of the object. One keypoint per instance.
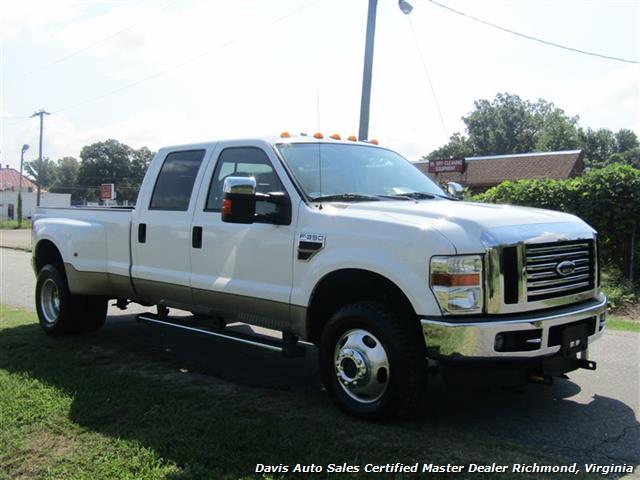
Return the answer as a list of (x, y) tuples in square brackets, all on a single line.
[(101, 162), (509, 124)]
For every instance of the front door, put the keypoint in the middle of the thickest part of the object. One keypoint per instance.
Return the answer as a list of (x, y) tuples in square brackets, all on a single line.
[(238, 269)]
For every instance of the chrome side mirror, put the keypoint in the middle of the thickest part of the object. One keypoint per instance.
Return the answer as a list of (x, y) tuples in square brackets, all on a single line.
[(239, 200), (245, 185), (455, 189)]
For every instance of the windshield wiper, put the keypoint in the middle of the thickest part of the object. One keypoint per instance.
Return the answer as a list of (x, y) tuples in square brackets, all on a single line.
[(424, 196), (415, 195), (346, 197)]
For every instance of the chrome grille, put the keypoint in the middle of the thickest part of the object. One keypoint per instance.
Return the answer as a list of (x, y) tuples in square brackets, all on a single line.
[(559, 269)]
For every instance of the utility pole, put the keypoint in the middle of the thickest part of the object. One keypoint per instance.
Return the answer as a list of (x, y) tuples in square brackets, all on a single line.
[(41, 114), (365, 102), (363, 131), (25, 147)]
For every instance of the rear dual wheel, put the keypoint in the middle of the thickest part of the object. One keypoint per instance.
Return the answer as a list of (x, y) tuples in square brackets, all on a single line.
[(60, 312)]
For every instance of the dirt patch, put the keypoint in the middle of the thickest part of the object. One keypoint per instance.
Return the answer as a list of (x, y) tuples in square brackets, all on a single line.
[(628, 312), (41, 450)]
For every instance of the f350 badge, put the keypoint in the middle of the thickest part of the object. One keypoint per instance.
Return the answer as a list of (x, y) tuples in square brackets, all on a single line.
[(309, 244)]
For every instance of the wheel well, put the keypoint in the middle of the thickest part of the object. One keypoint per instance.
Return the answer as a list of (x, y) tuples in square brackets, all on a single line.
[(342, 287), (47, 253)]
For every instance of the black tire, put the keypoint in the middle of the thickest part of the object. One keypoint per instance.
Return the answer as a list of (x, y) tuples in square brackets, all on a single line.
[(402, 384), (60, 312), (91, 313)]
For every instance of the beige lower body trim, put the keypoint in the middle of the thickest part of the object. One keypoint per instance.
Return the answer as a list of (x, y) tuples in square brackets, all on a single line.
[(253, 311)]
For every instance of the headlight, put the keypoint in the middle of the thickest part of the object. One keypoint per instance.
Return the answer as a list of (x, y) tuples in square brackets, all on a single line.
[(456, 282)]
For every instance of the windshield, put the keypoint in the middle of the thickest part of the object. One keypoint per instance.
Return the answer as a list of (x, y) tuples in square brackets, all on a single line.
[(352, 172)]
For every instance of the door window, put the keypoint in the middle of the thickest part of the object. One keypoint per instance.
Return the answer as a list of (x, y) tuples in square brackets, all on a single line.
[(175, 181), (244, 162)]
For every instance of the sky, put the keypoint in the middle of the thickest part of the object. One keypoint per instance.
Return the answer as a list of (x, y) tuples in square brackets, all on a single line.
[(155, 73)]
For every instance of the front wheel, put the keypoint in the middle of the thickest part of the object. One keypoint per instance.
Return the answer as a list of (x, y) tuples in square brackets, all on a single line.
[(372, 361), (61, 312)]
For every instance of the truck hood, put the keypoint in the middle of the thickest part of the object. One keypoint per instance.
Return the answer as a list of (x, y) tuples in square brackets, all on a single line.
[(471, 227)]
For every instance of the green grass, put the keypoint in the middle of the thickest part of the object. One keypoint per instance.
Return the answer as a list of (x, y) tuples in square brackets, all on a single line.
[(623, 323), (75, 407), (13, 225)]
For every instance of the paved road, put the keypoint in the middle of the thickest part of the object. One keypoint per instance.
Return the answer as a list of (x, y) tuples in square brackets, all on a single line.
[(20, 239), (592, 417)]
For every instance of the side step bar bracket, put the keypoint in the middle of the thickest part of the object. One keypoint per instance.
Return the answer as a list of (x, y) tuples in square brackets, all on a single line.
[(288, 346)]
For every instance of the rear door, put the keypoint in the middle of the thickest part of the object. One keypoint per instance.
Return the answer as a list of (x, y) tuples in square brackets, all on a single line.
[(160, 237), (239, 269)]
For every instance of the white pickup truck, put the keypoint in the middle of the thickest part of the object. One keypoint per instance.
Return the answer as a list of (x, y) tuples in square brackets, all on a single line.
[(340, 244)]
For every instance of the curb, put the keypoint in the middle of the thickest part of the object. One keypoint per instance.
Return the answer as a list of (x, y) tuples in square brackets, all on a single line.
[(23, 249)]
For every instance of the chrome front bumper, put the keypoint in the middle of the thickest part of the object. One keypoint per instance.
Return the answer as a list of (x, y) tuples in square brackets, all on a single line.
[(476, 338)]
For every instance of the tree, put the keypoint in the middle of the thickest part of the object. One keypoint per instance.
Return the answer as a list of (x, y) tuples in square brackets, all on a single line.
[(629, 157), (509, 124), (458, 146), (112, 162), (598, 146), (626, 140), (505, 125), (555, 130), (44, 175), (67, 177), (603, 147), (139, 163)]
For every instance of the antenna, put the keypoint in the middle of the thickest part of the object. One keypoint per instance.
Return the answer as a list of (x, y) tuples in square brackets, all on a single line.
[(318, 108), (320, 173)]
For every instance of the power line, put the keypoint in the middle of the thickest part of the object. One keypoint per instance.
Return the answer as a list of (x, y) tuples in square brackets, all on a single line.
[(426, 71), (81, 50), (186, 62), (535, 39)]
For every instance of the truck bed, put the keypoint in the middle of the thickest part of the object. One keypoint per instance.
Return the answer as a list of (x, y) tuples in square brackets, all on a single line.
[(95, 245)]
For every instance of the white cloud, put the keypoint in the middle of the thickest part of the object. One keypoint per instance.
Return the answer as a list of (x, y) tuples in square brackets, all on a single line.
[(26, 17)]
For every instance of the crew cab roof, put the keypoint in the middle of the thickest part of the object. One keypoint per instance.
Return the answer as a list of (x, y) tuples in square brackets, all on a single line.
[(270, 140)]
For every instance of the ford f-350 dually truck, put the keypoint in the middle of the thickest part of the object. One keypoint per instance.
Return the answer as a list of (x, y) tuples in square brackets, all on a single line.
[(341, 244)]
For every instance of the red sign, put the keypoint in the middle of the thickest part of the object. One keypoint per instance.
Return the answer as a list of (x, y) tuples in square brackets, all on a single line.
[(107, 191), (446, 165)]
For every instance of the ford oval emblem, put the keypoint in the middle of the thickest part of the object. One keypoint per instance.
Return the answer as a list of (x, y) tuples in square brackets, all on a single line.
[(566, 268)]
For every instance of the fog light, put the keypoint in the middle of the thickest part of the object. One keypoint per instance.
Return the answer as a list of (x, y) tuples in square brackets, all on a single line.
[(498, 343)]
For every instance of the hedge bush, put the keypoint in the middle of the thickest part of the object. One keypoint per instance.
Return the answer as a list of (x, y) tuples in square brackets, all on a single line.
[(608, 199)]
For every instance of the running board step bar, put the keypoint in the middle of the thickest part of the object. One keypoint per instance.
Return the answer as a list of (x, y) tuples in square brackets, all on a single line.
[(288, 346)]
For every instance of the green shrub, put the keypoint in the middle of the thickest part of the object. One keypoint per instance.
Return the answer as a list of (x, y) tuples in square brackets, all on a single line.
[(619, 290), (608, 199)]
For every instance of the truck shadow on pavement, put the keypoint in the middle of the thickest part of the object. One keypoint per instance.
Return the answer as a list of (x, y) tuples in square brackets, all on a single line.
[(208, 404)]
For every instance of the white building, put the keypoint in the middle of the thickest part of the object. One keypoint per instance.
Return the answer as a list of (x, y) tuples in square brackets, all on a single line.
[(9, 185)]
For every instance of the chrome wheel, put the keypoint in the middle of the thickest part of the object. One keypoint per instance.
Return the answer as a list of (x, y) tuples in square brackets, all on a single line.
[(361, 366), (50, 301)]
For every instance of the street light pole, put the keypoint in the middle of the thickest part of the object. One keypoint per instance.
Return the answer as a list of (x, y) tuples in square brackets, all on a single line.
[(40, 114), (365, 101), (25, 147)]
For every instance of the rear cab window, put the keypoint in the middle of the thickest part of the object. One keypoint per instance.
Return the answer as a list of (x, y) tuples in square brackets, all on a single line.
[(175, 181)]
